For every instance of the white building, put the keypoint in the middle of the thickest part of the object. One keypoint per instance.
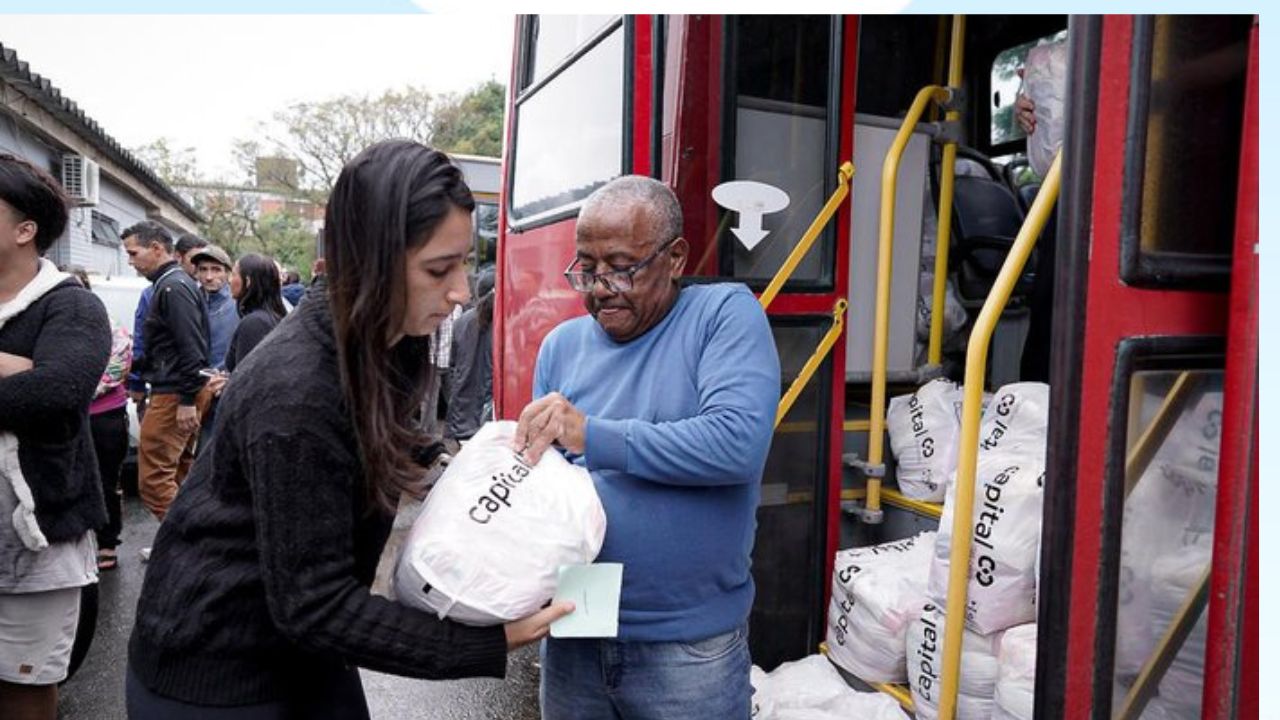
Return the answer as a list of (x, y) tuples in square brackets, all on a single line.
[(112, 189)]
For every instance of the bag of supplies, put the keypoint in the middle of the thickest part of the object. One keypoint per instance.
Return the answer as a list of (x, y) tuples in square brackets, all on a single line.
[(876, 592), (924, 668), (924, 429), (494, 531), (812, 689)]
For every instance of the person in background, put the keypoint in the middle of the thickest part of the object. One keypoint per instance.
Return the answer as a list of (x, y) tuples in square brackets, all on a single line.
[(256, 287), (213, 265), (257, 602), (109, 425), (470, 386), (184, 251), (177, 336), (55, 340), (293, 288), (668, 396)]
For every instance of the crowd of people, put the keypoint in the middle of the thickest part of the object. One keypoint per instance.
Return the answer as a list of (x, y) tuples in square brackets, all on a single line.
[(280, 427)]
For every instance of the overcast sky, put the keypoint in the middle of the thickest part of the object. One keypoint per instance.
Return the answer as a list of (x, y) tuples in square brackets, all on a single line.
[(203, 81)]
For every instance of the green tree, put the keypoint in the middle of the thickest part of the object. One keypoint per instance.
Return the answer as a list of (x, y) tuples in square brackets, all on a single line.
[(471, 123), (175, 166)]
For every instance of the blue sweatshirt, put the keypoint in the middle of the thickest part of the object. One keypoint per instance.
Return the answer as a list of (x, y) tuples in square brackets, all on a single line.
[(224, 316), (679, 422)]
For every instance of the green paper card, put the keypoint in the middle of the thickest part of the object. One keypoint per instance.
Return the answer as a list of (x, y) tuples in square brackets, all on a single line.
[(594, 591)]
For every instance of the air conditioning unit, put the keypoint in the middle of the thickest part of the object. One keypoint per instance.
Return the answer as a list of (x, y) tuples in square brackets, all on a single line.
[(80, 179)]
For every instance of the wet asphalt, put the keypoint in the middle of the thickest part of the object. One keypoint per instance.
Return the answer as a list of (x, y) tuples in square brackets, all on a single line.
[(96, 692)]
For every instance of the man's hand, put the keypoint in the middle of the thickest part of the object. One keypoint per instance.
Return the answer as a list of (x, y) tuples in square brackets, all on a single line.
[(547, 420), (536, 626), (13, 364), (188, 418)]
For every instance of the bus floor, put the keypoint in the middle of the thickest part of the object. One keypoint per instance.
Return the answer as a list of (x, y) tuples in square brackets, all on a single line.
[(96, 692)]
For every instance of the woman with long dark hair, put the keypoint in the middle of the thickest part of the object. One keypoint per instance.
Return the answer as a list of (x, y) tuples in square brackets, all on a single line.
[(255, 285), (257, 600)]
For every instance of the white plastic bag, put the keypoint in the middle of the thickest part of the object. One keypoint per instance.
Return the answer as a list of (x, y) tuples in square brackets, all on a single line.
[(1016, 416), (812, 689), (1016, 679), (924, 428), (876, 592), (1174, 577), (1007, 515), (924, 668), (1045, 83), (494, 532)]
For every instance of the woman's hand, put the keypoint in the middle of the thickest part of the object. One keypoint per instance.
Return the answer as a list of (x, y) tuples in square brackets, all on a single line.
[(11, 364), (536, 626)]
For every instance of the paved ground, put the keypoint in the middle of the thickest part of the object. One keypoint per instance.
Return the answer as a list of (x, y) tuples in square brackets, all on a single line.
[(97, 690)]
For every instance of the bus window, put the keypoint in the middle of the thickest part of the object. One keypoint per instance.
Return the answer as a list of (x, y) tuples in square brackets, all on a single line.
[(1005, 84), (569, 131), (1167, 533), (1186, 118), (553, 38), (771, 80)]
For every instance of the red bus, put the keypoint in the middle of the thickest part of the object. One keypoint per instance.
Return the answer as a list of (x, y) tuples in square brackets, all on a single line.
[(1138, 307)]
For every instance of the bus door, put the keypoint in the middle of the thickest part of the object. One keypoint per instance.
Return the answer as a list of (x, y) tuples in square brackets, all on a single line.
[(1152, 462), (769, 99)]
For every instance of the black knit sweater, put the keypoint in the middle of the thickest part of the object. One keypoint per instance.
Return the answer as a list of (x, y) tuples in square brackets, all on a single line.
[(67, 336), (259, 577)]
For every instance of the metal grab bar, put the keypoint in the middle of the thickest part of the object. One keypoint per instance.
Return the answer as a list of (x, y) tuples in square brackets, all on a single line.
[(811, 365), (843, 177), (884, 272), (967, 464), (946, 194)]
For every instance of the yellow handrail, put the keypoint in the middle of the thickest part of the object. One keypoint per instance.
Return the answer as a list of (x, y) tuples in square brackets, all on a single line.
[(967, 464), (884, 271), (946, 194), (843, 177), (811, 365)]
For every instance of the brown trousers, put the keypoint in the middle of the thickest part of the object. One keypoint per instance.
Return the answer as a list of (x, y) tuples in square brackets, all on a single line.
[(165, 453)]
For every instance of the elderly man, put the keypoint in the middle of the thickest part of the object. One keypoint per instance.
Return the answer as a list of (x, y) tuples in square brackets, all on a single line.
[(213, 271), (667, 395)]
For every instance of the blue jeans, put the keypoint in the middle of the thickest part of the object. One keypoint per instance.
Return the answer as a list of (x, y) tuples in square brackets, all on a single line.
[(608, 679)]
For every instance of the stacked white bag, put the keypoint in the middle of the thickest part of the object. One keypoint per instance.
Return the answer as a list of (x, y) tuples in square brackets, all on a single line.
[(494, 531), (924, 431), (812, 689), (1170, 512), (1016, 675), (876, 592), (1007, 513), (979, 668), (1174, 577)]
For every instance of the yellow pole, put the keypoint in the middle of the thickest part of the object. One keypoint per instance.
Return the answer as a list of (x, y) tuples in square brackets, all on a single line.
[(971, 417), (945, 196), (843, 177), (884, 273), (811, 366)]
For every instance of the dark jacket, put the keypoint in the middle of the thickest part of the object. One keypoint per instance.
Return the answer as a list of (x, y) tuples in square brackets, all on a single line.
[(177, 333), (259, 576), (470, 386), (68, 338), (252, 329)]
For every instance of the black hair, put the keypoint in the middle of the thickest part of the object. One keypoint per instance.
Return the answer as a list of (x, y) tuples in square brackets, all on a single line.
[(188, 242), (35, 196), (291, 277), (78, 273), (260, 285), (388, 201), (148, 232)]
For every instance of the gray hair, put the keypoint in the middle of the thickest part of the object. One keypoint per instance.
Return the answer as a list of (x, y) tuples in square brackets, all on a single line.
[(653, 195)]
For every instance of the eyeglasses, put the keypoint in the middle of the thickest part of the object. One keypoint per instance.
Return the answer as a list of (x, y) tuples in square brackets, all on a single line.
[(615, 281)]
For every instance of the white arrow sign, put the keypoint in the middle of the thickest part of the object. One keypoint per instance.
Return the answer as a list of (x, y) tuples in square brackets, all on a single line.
[(751, 200)]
